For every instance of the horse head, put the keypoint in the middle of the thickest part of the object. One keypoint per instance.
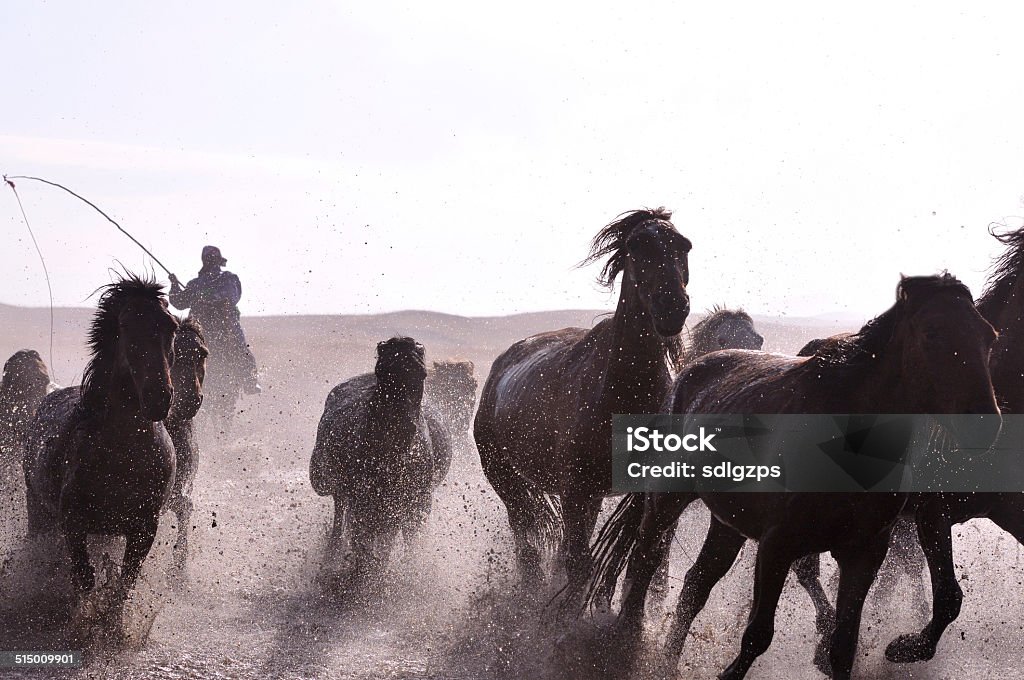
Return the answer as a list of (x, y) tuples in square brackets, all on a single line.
[(189, 369), (132, 342), (946, 345), (654, 256), (401, 369)]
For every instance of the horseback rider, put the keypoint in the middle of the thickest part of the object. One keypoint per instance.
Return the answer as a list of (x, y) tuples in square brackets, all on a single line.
[(213, 298)]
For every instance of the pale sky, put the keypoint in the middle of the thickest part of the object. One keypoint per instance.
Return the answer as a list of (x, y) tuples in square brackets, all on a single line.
[(368, 157)]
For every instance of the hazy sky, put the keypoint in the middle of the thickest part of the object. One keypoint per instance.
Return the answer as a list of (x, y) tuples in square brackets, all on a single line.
[(366, 157)]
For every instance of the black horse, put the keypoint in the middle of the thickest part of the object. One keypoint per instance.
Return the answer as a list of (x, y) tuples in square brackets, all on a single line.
[(187, 375), (931, 337), (380, 454), (98, 459)]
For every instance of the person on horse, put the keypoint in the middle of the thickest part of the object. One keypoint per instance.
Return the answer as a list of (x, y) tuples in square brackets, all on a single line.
[(212, 298)]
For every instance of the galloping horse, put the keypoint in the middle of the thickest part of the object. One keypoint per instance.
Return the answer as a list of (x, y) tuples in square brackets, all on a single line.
[(544, 424), (721, 329), (24, 384), (1002, 304), (926, 354), (380, 454), (187, 375), (98, 459)]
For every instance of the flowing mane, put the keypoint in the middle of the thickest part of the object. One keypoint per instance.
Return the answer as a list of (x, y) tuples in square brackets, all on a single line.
[(611, 240), (103, 333), (999, 289), (872, 340)]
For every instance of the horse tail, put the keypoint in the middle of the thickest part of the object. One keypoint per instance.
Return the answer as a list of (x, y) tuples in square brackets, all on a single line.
[(612, 549)]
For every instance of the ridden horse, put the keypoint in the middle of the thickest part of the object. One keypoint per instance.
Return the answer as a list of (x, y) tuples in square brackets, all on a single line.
[(926, 354), (543, 428), (381, 455), (98, 459), (187, 375), (24, 384)]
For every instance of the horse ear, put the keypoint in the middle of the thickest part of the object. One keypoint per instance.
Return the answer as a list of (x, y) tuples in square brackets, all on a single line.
[(901, 290)]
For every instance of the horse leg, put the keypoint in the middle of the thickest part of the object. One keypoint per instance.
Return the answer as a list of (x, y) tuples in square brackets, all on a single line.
[(338, 527), (717, 555), (775, 555), (808, 572), (659, 582), (40, 519), (579, 515), (858, 566), (183, 511), (82, 575), (136, 548), (515, 494), (934, 529), (661, 511)]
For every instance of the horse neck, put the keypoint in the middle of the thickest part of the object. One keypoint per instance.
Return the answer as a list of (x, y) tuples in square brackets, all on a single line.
[(636, 374), (111, 397), (884, 387)]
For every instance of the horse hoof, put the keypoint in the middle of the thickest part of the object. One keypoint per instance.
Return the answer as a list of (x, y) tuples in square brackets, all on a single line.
[(909, 648)]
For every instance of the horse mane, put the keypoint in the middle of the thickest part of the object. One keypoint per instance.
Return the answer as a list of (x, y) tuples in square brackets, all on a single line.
[(719, 315), (872, 340), (999, 288), (103, 332), (611, 240)]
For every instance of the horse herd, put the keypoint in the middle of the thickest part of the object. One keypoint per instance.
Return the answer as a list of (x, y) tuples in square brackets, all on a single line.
[(110, 456)]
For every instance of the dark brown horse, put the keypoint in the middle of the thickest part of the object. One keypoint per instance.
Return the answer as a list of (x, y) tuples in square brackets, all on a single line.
[(927, 354), (380, 454), (187, 375), (98, 460), (1002, 304), (25, 383), (544, 424)]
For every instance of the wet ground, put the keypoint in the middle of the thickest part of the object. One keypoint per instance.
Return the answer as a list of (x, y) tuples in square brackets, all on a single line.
[(250, 606)]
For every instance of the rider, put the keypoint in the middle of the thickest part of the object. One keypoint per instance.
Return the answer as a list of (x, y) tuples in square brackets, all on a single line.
[(213, 298)]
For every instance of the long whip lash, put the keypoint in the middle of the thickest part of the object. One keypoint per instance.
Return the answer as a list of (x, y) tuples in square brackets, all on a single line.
[(93, 206), (46, 272)]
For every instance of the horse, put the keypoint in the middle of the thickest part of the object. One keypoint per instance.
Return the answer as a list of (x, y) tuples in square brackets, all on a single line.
[(927, 354), (450, 389), (1002, 304), (543, 429), (25, 382), (187, 376), (98, 459), (380, 454), (721, 329)]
